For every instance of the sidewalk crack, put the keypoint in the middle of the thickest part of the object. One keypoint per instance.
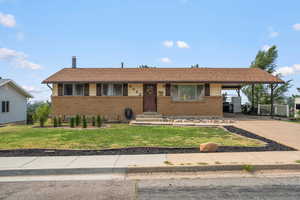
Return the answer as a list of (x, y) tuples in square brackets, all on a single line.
[(28, 162)]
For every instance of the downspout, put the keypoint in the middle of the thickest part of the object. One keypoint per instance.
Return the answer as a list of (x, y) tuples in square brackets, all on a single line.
[(49, 86)]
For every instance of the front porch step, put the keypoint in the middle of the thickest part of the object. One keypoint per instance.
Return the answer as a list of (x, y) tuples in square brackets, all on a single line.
[(149, 119), (149, 115)]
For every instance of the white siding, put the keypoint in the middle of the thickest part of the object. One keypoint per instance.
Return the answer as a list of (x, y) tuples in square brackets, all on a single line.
[(297, 101), (17, 107)]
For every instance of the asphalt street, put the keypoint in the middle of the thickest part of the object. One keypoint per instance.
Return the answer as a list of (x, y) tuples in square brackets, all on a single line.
[(245, 188)]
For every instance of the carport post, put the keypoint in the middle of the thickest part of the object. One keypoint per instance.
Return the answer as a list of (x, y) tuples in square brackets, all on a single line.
[(272, 100), (252, 103)]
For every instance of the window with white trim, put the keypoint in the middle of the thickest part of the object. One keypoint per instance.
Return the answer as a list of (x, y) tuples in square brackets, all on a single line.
[(79, 89), (76, 89), (185, 92), (112, 89)]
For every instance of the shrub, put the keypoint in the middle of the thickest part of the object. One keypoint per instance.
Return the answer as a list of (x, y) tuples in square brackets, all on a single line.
[(72, 122), (59, 122), (84, 122), (77, 120), (99, 121), (249, 168), (55, 122), (42, 113), (93, 121)]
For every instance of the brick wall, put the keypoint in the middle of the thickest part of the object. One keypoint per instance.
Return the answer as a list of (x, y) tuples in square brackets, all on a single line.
[(111, 108), (210, 106)]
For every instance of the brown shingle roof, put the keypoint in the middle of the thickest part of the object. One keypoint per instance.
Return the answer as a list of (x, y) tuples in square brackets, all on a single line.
[(210, 75)]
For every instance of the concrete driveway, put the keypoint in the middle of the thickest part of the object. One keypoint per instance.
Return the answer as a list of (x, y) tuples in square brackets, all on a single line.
[(287, 133)]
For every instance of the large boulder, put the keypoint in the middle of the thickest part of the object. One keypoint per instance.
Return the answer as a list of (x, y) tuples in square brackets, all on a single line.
[(209, 147)]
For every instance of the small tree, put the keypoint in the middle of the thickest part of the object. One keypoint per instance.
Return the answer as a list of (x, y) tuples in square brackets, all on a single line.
[(84, 122), (59, 122), (77, 120), (93, 121), (72, 122), (55, 122), (99, 121), (42, 113)]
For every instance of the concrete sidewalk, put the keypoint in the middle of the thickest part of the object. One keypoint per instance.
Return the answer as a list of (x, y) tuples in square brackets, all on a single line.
[(121, 163)]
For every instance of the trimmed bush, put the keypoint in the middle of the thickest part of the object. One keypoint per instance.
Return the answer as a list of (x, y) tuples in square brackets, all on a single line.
[(99, 121), (72, 122), (93, 121), (55, 122), (84, 122), (77, 120)]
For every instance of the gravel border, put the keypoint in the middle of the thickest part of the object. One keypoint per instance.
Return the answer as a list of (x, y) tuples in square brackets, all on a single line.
[(271, 146)]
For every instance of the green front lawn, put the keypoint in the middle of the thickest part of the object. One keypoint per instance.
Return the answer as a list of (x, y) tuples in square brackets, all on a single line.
[(117, 136)]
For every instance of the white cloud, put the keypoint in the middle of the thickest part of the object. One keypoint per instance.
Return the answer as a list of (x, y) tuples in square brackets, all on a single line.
[(168, 43), (288, 70), (182, 44), (40, 93), (32, 89), (17, 58), (7, 20), (273, 33), (296, 27), (265, 47), (165, 60)]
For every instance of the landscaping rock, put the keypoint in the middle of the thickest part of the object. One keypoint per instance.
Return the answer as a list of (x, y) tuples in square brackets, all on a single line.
[(209, 147)]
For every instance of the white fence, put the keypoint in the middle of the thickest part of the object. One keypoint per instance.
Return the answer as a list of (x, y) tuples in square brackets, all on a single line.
[(279, 110)]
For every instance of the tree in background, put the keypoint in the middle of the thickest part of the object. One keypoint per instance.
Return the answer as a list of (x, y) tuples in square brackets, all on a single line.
[(266, 60), (31, 108), (42, 114)]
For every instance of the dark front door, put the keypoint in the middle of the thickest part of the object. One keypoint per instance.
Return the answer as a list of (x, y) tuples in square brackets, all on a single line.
[(149, 97)]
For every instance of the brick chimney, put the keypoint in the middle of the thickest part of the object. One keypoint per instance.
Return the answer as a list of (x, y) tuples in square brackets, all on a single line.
[(74, 62)]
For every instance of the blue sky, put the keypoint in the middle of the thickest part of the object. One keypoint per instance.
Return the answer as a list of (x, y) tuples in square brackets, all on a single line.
[(37, 38)]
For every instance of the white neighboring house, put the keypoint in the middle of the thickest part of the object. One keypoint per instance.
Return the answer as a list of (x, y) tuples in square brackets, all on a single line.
[(13, 102), (297, 106)]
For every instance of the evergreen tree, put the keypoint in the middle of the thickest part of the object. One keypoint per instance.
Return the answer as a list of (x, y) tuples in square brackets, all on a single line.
[(99, 121), (72, 122), (77, 120), (59, 122), (55, 122), (84, 122), (93, 121)]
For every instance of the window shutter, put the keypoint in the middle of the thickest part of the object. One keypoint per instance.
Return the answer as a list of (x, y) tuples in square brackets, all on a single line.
[(86, 89), (3, 106), (60, 89), (7, 106), (168, 89), (98, 88), (125, 89), (207, 89)]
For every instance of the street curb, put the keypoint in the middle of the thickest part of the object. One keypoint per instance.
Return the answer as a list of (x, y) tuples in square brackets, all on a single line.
[(132, 170), (211, 168)]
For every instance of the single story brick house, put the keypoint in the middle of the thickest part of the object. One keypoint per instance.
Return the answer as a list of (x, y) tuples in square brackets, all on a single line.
[(168, 91)]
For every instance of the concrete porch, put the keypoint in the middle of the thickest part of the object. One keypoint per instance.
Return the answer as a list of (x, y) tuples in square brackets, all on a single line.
[(154, 118)]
